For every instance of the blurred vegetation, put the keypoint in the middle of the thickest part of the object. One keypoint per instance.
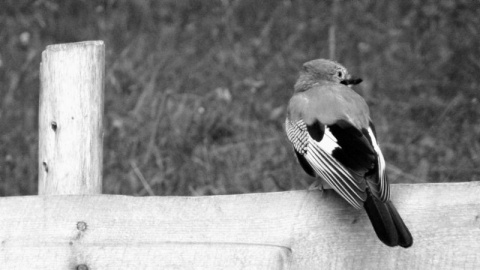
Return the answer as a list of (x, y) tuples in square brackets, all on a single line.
[(196, 90)]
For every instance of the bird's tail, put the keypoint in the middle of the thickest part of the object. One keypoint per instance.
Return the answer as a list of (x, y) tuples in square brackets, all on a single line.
[(387, 223)]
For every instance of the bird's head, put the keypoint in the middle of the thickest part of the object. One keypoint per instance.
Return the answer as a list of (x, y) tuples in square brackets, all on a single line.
[(318, 70)]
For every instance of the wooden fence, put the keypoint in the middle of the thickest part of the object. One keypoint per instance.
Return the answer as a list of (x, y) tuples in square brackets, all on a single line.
[(70, 225)]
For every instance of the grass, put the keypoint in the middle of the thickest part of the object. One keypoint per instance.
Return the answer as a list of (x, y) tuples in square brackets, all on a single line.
[(196, 91)]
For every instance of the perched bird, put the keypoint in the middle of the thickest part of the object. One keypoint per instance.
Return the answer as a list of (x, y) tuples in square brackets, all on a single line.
[(334, 138)]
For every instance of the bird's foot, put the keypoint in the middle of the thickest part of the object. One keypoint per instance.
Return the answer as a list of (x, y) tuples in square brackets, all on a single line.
[(319, 185), (314, 186)]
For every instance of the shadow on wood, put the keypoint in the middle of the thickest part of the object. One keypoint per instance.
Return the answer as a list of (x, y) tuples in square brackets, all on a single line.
[(285, 230)]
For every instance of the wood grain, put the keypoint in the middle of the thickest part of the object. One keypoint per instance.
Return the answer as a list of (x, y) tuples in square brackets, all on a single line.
[(70, 121), (285, 230)]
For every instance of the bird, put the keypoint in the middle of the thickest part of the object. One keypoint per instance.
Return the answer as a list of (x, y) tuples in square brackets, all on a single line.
[(334, 139)]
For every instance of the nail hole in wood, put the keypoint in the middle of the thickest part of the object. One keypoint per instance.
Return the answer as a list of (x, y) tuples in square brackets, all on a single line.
[(82, 226), (54, 125), (45, 166), (82, 267)]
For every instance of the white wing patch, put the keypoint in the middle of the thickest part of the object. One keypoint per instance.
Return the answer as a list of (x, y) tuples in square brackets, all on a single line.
[(384, 186), (328, 142)]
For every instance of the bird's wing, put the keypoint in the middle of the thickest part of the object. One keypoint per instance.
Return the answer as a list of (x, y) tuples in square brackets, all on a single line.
[(346, 158)]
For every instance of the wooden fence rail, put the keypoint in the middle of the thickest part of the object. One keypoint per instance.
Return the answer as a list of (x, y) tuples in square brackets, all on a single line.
[(282, 230)]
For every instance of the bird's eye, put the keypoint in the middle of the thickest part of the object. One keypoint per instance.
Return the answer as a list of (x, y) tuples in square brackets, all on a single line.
[(340, 74)]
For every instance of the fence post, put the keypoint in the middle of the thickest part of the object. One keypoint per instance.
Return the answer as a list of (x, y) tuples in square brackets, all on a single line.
[(70, 120)]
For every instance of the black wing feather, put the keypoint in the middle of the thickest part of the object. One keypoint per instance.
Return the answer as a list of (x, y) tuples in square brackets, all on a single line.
[(356, 152), (305, 165)]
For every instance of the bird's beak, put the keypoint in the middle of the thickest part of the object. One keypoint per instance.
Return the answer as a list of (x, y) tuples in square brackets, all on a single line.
[(351, 80)]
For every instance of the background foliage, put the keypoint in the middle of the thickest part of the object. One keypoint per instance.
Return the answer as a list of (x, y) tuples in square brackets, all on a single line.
[(196, 90)]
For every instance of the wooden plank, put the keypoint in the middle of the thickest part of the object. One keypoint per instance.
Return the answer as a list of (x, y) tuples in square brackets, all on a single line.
[(70, 118), (284, 230)]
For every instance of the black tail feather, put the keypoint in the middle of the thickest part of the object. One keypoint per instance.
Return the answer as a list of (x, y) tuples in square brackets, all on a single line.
[(405, 238), (387, 223)]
